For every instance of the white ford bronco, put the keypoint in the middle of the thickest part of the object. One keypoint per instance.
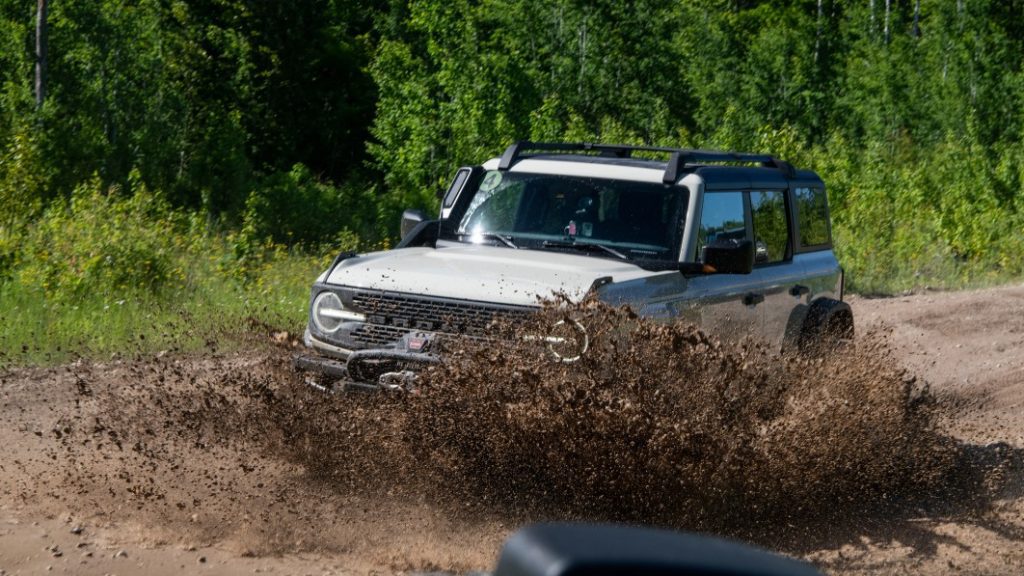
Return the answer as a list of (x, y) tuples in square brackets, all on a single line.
[(737, 243)]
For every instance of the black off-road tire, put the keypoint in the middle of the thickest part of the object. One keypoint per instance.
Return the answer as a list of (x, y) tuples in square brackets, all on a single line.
[(828, 329)]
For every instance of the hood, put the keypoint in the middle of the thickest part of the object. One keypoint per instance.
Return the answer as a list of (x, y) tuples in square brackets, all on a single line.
[(480, 272)]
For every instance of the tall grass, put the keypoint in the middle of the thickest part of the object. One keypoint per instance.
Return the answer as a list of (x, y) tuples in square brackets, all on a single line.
[(107, 274), (37, 328)]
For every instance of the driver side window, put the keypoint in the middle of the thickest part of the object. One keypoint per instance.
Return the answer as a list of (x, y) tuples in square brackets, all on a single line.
[(722, 219)]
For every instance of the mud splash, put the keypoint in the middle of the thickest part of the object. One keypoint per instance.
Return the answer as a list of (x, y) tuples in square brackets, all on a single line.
[(658, 424)]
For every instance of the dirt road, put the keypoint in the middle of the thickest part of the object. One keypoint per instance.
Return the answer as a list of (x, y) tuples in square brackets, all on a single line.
[(152, 465)]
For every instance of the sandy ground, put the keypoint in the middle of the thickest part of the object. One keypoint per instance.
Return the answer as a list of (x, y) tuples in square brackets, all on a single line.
[(96, 478), (969, 346)]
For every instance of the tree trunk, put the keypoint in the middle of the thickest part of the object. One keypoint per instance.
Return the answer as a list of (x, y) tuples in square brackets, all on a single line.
[(888, 8), (40, 53), (583, 56), (917, 19), (817, 35)]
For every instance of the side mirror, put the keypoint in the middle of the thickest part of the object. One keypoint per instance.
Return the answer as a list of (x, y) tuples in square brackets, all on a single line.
[(729, 257), (410, 219)]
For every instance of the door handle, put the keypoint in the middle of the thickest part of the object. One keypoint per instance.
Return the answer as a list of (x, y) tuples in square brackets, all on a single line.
[(752, 299), (799, 290)]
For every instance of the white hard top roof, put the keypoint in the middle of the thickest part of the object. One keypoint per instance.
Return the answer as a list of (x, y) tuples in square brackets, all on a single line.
[(586, 169)]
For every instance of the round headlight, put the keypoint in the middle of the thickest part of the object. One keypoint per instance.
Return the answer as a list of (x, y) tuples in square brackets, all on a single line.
[(328, 312)]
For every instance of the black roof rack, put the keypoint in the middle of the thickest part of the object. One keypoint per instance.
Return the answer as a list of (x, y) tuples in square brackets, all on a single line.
[(678, 159)]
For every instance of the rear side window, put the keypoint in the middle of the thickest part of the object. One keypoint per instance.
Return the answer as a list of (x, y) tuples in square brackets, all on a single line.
[(812, 216), (771, 234)]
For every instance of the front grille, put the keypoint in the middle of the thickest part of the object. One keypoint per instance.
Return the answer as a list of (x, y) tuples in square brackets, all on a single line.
[(389, 316), (375, 335)]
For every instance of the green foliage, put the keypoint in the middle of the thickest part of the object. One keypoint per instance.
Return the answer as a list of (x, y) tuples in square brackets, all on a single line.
[(297, 209), (99, 242), (914, 121), (119, 270), (201, 98), (315, 122), (931, 219), (21, 180), (185, 317)]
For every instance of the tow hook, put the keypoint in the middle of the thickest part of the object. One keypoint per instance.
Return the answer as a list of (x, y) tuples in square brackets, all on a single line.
[(399, 380), (567, 342)]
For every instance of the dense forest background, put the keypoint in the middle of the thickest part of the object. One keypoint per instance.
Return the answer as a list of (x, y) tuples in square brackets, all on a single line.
[(148, 144)]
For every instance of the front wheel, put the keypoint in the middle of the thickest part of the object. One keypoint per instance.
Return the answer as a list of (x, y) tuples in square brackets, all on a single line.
[(829, 328)]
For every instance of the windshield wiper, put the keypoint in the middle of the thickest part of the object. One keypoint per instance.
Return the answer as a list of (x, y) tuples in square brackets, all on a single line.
[(506, 240), (585, 247)]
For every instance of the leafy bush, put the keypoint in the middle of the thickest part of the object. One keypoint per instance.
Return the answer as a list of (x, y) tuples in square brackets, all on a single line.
[(906, 217), (295, 209), (10, 242), (101, 241)]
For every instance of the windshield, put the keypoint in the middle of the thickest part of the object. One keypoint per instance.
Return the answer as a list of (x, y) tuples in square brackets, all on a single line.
[(540, 211)]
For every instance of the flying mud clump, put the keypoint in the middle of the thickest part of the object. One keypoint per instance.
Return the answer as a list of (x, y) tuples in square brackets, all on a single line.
[(655, 423)]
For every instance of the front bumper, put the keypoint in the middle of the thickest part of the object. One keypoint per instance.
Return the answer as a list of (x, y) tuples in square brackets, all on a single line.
[(332, 368)]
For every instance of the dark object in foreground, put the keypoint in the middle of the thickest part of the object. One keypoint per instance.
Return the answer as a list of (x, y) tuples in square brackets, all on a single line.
[(605, 550)]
